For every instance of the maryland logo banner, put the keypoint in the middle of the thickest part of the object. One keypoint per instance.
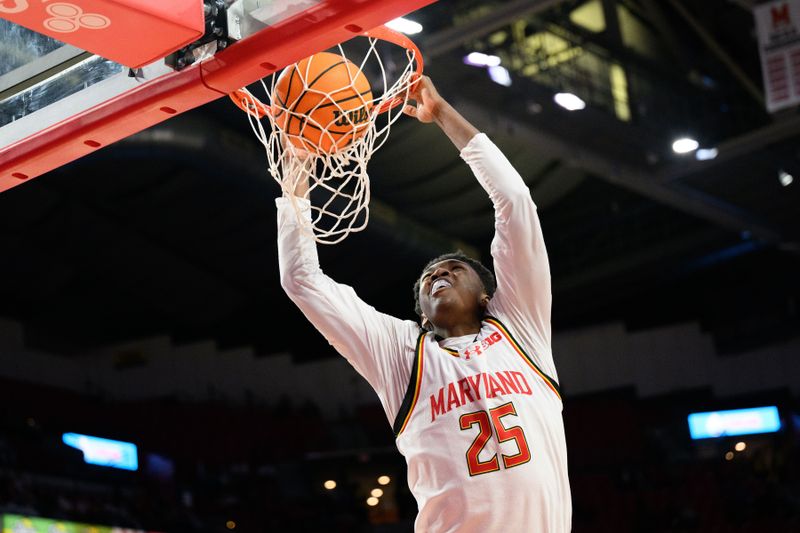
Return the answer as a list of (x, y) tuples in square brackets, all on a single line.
[(778, 28)]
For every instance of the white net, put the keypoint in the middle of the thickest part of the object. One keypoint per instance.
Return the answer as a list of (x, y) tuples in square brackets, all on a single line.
[(327, 116)]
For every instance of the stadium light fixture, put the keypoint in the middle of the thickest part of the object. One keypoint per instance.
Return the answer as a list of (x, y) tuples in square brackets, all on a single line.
[(404, 25), (684, 145), (478, 59), (500, 75), (569, 101), (706, 154)]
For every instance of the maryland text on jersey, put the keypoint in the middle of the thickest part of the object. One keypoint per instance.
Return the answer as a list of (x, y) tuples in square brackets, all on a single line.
[(470, 388)]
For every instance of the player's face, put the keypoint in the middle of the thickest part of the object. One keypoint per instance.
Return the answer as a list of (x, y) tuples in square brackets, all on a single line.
[(450, 291)]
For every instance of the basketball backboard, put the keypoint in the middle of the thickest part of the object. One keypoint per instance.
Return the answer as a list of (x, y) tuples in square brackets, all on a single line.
[(59, 103)]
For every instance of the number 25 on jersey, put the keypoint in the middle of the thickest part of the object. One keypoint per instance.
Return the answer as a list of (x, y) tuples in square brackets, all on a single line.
[(485, 421)]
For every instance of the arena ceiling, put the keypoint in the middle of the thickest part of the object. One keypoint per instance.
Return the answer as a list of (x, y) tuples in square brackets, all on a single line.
[(172, 232)]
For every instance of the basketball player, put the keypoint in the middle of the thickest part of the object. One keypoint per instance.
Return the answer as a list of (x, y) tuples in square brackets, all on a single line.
[(473, 392)]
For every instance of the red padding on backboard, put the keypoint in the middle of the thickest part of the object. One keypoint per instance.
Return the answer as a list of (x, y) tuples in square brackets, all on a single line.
[(104, 124), (316, 29), (130, 32), (239, 65)]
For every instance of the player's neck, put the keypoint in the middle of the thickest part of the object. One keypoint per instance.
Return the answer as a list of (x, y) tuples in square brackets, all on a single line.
[(457, 330)]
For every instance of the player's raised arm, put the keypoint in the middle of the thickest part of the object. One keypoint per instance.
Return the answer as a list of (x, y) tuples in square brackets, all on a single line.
[(431, 107), (520, 258), (373, 342)]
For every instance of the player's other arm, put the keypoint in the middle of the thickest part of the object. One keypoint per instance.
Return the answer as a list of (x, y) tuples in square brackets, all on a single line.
[(371, 341)]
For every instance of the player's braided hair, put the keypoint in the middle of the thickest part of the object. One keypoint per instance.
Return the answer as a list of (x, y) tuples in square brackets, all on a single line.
[(486, 276)]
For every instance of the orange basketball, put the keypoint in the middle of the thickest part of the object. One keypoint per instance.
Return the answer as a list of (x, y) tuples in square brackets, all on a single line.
[(322, 102)]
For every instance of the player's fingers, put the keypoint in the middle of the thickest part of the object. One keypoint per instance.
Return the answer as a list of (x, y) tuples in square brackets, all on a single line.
[(410, 110), (416, 83)]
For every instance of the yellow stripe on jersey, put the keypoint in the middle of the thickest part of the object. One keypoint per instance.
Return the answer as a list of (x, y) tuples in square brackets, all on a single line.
[(412, 393), (551, 383)]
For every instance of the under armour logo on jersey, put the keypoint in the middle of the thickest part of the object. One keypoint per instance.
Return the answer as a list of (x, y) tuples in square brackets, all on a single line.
[(479, 347)]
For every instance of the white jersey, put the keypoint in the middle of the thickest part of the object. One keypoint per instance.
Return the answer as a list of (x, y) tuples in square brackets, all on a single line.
[(478, 418), (499, 458)]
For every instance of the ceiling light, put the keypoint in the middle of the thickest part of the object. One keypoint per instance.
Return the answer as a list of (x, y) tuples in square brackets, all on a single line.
[(477, 59), (785, 178), (705, 154), (376, 493), (404, 25), (569, 101), (372, 501), (740, 446), (330, 484), (684, 145), (500, 75), (384, 480)]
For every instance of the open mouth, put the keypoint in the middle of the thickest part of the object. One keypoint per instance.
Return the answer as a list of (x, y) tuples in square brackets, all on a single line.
[(440, 284)]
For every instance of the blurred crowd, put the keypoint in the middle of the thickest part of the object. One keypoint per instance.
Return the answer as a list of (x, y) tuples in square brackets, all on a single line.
[(216, 466)]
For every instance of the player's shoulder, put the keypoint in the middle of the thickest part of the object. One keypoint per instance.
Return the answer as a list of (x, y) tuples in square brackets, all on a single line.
[(516, 322), (408, 331)]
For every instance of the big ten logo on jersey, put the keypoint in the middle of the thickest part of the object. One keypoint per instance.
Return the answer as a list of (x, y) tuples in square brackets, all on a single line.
[(479, 347)]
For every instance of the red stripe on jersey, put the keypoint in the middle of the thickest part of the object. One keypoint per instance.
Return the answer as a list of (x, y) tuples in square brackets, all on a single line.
[(503, 331)]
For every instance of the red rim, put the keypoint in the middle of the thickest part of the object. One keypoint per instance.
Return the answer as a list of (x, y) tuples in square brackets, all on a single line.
[(389, 35), (248, 103), (251, 105)]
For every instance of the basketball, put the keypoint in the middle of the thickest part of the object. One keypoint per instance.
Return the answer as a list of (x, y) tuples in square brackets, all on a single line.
[(323, 103)]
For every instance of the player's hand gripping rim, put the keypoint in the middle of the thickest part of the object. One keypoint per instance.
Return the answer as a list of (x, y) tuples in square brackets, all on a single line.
[(427, 99)]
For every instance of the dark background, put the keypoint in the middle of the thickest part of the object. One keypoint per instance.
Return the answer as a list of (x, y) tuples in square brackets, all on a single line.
[(172, 233)]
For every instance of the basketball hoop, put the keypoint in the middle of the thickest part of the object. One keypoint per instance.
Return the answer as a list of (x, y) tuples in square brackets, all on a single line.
[(327, 115)]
